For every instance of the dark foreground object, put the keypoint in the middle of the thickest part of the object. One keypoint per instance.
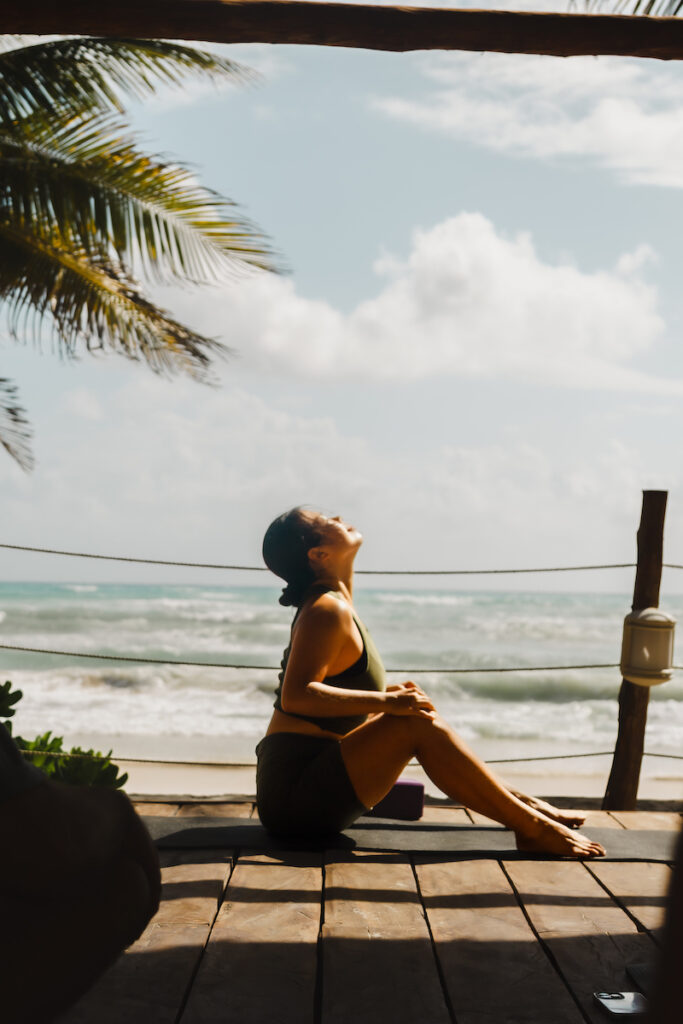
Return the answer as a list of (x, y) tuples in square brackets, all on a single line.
[(79, 881), (460, 841)]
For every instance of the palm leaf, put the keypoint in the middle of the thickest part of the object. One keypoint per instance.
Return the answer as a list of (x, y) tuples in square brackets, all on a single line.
[(654, 8), (82, 208), (15, 432), (92, 303), (89, 74), (88, 181)]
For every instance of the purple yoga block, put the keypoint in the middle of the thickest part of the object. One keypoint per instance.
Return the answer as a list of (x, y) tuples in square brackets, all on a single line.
[(405, 800)]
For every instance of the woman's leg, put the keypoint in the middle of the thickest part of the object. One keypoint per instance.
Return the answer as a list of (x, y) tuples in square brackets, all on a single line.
[(573, 819), (376, 753)]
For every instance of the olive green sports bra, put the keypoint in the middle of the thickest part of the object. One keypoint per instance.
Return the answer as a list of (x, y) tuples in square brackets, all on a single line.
[(365, 674)]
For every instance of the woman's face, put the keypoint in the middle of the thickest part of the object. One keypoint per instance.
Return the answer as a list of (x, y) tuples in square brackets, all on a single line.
[(336, 533)]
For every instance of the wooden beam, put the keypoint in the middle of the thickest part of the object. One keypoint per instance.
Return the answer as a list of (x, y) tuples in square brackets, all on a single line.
[(361, 26)]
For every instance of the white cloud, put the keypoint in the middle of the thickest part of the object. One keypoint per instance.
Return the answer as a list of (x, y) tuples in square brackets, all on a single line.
[(186, 473), (623, 114), (83, 403), (466, 302)]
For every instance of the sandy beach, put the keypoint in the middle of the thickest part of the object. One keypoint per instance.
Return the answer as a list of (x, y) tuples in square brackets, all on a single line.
[(208, 767)]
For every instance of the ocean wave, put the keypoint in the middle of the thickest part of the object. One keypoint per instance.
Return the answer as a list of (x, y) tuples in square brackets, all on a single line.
[(553, 689), (425, 600), (145, 702), (545, 628), (115, 680), (130, 705), (208, 610), (420, 629), (179, 645)]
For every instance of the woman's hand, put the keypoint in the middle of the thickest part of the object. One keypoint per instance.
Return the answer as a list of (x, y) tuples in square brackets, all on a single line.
[(408, 699), (408, 684)]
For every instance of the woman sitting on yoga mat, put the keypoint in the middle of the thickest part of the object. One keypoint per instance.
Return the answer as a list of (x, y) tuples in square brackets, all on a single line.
[(339, 736)]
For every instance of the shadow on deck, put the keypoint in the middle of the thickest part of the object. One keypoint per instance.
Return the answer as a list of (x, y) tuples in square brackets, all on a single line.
[(344, 936)]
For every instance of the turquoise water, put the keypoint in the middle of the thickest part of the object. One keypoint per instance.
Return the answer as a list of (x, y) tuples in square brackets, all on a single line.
[(223, 711)]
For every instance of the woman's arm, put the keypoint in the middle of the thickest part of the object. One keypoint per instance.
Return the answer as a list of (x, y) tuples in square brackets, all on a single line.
[(402, 699), (323, 634)]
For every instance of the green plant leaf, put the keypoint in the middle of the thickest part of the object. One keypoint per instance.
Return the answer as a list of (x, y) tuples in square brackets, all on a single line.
[(654, 8), (86, 180), (84, 211), (34, 749), (8, 698), (89, 768), (15, 430), (87, 74), (93, 304)]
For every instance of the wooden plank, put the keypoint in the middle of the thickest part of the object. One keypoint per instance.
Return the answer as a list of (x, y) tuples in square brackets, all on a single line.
[(260, 964), (156, 810), (669, 820), (376, 942), (641, 887), (354, 25), (494, 969), (480, 819), (196, 809), (148, 983), (435, 815), (602, 819), (193, 884), (591, 938)]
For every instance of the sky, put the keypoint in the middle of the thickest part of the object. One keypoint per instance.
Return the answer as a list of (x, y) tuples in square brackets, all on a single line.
[(474, 353)]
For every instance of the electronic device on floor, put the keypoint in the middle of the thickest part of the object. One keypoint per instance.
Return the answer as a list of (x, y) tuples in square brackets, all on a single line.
[(621, 1004)]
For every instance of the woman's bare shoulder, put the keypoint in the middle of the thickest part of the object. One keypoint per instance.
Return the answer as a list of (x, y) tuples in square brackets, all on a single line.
[(326, 609)]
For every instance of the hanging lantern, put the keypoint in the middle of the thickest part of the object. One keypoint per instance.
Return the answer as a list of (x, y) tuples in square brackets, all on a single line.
[(647, 648)]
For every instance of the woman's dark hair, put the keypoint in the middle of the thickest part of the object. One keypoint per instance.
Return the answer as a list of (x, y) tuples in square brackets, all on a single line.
[(286, 544)]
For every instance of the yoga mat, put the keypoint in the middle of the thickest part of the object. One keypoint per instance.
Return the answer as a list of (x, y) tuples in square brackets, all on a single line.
[(462, 842), (643, 975)]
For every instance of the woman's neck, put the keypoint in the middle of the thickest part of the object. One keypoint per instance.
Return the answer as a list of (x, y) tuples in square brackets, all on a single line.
[(343, 584)]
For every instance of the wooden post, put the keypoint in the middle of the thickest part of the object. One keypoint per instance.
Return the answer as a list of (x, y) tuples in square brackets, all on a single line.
[(622, 786)]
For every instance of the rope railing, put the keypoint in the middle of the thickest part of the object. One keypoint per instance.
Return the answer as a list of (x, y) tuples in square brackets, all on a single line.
[(250, 764), (362, 572), (269, 668), (437, 670), (260, 667)]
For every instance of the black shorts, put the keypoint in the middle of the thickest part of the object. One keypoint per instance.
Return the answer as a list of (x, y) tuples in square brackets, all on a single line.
[(302, 786)]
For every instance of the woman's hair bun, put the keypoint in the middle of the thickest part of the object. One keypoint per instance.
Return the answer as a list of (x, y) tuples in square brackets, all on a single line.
[(288, 596), (286, 544)]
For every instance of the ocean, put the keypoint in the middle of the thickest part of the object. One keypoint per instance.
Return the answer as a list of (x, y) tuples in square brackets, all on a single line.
[(218, 714)]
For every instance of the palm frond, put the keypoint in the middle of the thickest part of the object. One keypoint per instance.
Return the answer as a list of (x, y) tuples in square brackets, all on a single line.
[(80, 75), (88, 180), (653, 8), (92, 303), (83, 209), (15, 431)]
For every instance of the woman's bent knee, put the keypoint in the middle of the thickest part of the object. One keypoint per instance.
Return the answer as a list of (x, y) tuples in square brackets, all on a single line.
[(404, 730)]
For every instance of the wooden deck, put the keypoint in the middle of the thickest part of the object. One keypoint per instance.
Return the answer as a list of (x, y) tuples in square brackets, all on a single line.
[(361, 938)]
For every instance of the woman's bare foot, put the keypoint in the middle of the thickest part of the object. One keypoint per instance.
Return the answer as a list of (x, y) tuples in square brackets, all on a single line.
[(546, 836), (572, 819)]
